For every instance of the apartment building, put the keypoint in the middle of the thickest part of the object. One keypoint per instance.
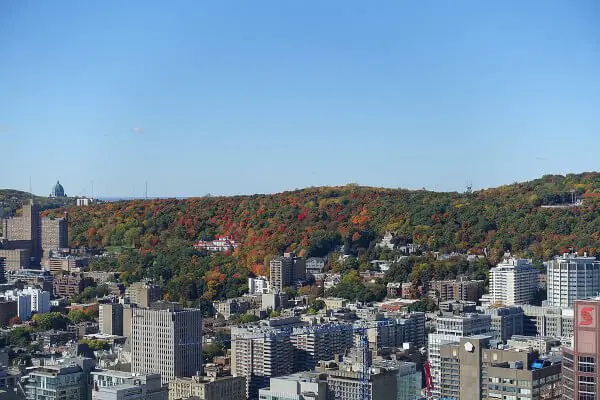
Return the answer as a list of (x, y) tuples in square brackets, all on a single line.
[(547, 321), (120, 385), (66, 378), (513, 281), (286, 270), (394, 332), (110, 319), (506, 322), (458, 289), (143, 293), (54, 234), (208, 388), (447, 330), (570, 277), (68, 285)]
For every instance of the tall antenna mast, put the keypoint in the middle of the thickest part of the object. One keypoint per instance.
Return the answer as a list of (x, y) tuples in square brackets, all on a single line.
[(146, 195), (92, 189), (30, 190)]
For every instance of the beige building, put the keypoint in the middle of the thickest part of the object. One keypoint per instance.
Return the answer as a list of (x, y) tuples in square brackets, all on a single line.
[(208, 388), (143, 293), (15, 259), (110, 319), (166, 339), (459, 289), (26, 227), (473, 369), (54, 234)]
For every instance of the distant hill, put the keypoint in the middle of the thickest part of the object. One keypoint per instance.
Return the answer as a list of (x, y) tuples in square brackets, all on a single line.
[(315, 220), (11, 200)]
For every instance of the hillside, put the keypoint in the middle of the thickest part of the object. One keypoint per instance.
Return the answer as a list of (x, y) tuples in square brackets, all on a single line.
[(313, 221), (11, 200)]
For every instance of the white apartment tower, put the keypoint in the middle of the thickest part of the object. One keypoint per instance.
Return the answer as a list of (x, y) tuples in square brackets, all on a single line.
[(167, 341), (513, 281), (570, 277)]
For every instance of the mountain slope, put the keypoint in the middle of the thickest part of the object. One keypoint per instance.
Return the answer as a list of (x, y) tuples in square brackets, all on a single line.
[(314, 220)]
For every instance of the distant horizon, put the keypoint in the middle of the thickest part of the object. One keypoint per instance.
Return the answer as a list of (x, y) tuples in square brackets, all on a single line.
[(151, 196)]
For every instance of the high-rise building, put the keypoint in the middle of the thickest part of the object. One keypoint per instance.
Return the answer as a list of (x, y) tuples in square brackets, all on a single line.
[(286, 271), (570, 277), (25, 228), (166, 339), (54, 234), (40, 299), (513, 281), (580, 367), (394, 332), (110, 319), (62, 379), (447, 330), (120, 385), (15, 259), (143, 293), (473, 369), (282, 346), (506, 322), (547, 321), (208, 388)]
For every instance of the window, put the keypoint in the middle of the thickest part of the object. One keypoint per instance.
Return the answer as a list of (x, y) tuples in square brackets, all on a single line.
[(587, 364)]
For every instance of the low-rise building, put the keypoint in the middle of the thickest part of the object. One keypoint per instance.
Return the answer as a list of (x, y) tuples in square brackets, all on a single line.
[(208, 388), (315, 265), (63, 379), (258, 285), (120, 385), (458, 289), (68, 285)]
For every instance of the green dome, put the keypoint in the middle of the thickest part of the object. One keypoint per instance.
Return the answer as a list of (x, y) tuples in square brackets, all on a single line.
[(58, 190)]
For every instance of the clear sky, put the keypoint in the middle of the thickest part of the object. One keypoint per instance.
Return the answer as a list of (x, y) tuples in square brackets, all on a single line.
[(229, 97)]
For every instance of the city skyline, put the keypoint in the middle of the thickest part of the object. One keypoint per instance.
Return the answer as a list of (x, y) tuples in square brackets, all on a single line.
[(217, 97)]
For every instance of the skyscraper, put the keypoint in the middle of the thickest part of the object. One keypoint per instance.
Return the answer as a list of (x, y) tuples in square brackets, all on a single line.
[(580, 372), (25, 228), (513, 281), (571, 277), (286, 271), (54, 234), (166, 339)]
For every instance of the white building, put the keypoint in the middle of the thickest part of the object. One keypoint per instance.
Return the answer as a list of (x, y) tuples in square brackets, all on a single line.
[(570, 277), (449, 330), (258, 285), (315, 265), (298, 386), (120, 385), (40, 299), (513, 281)]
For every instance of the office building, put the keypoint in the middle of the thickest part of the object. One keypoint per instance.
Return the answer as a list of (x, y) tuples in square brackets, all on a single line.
[(120, 385), (473, 369), (570, 277), (110, 319), (208, 388), (59, 264), (547, 321), (15, 259), (54, 234), (143, 293), (506, 322), (458, 289), (513, 281), (447, 330), (166, 339), (258, 285), (580, 369), (62, 379)]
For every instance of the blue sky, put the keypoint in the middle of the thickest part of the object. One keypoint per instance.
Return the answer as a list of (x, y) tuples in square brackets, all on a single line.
[(229, 97)]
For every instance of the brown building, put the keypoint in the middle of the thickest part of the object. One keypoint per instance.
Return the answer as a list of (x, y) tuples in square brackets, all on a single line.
[(31, 277), (68, 285), (26, 227), (8, 309), (58, 265), (54, 234), (15, 259), (143, 293), (472, 369), (459, 289), (581, 372)]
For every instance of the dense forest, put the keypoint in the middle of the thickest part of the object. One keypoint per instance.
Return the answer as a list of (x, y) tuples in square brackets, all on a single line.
[(154, 238)]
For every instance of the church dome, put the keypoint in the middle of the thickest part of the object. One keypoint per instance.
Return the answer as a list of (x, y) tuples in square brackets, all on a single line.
[(58, 190)]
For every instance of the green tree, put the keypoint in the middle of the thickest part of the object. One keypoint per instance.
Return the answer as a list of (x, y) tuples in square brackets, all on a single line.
[(52, 320)]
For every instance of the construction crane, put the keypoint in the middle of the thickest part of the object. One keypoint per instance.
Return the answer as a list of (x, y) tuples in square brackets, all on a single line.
[(428, 378)]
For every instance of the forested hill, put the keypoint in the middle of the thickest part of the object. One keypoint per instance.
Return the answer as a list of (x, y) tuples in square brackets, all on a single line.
[(315, 220), (11, 200)]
